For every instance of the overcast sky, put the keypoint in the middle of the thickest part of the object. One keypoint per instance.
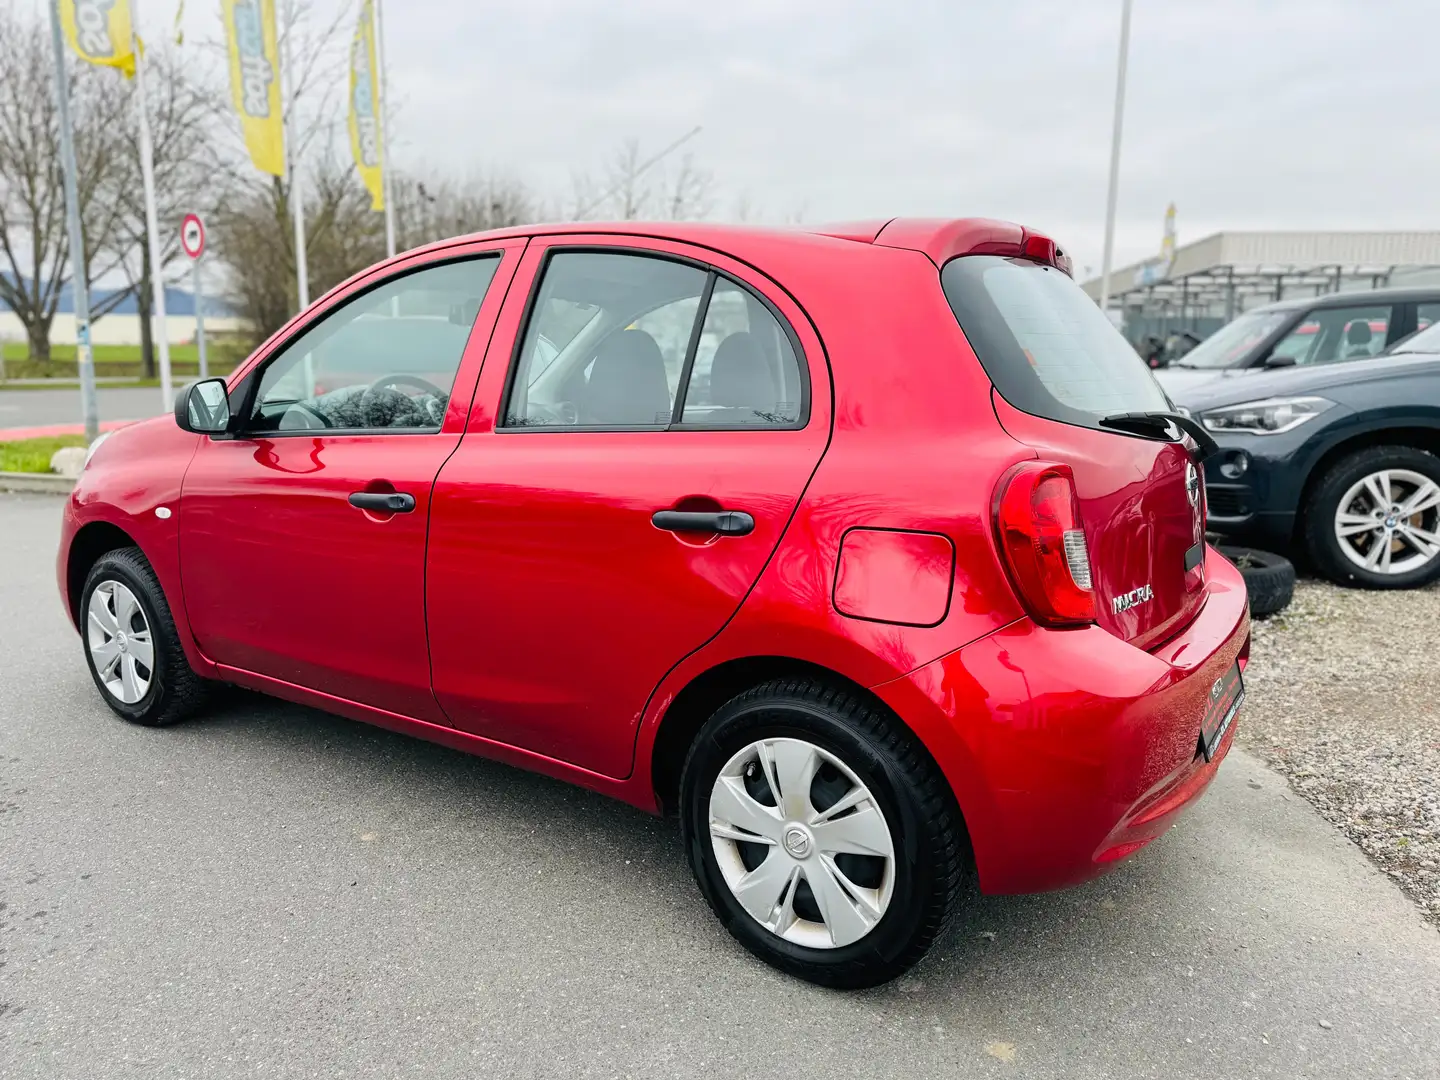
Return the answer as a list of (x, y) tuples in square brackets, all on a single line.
[(1246, 113)]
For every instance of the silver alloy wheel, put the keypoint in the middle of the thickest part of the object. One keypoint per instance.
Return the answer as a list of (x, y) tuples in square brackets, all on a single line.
[(1389, 522), (805, 848), (119, 641)]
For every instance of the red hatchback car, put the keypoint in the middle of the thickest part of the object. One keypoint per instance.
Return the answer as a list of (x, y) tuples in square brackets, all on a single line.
[(874, 552)]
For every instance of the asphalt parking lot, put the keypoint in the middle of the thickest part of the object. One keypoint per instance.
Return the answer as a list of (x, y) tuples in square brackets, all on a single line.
[(36, 407), (273, 892)]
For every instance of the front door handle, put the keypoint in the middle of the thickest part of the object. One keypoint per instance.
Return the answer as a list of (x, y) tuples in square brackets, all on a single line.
[(723, 522), (384, 502)]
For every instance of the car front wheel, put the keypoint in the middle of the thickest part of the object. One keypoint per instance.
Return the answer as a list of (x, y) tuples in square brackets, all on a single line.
[(1374, 519), (131, 644), (821, 833)]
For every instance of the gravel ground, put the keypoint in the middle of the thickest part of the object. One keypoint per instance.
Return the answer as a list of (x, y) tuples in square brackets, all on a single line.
[(1345, 701)]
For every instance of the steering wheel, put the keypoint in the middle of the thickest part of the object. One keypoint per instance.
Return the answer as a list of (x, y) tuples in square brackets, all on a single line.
[(306, 413), (390, 382), (414, 381)]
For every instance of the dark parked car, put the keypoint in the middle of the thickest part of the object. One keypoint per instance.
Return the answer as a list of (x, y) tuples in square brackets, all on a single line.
[(1302, 333), (1338, 461)]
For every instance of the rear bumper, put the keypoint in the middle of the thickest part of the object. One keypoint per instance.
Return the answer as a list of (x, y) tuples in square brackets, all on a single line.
[(1073, 748)]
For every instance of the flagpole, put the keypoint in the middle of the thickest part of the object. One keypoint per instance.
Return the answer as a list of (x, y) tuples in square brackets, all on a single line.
[(384, 134), (84, 361), (297, 193), (1112, 194), (152, 227)]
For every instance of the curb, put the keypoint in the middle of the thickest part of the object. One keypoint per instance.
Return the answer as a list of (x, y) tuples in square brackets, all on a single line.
[(45, 483)]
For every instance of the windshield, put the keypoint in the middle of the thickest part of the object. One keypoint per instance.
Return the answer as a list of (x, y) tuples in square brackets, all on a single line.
[(1235, 340), (1426, 341)]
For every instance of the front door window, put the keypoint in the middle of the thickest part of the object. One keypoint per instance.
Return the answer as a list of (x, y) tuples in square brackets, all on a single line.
[(1344, 333), (384, 361)]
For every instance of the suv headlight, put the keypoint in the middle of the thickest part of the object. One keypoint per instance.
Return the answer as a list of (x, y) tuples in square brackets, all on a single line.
[(90, 453), (1269, 417)]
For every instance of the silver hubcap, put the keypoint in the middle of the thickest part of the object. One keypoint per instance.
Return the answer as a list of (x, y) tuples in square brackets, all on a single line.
[(1389, 522), (119, 641), (802, 844)]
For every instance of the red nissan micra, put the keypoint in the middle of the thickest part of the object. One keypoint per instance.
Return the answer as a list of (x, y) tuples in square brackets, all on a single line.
[(874, 552)]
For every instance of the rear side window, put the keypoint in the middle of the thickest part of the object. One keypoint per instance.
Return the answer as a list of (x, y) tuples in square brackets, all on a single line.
[(624, 340), (1045, 345)]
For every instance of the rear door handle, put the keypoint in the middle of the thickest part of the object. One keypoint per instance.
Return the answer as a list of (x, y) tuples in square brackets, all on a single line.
[(723, 522), (385, 502)]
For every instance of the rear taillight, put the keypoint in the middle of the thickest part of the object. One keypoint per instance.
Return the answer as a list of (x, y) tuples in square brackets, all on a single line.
[(1042, 540)]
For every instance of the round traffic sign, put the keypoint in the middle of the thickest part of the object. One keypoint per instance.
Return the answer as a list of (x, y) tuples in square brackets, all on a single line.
[(192, 235)]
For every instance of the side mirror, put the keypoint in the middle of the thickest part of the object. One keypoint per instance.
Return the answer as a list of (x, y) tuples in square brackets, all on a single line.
[(1279, 361), (204, 408)]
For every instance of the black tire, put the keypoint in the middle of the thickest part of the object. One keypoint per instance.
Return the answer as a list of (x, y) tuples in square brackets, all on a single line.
[(932, 850), (175, 691), (1269, 578), (1320, 510)]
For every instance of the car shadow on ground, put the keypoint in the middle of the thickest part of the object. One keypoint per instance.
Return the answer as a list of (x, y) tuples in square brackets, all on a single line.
[(608, 845)]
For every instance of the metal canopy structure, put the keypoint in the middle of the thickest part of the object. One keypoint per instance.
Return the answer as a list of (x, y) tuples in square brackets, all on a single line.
[(1218, 277)]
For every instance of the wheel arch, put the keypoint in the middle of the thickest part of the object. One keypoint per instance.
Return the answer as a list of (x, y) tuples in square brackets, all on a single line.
[(92, 540), (697, 701)]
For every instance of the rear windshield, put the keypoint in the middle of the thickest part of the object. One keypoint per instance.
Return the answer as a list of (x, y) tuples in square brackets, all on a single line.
[(1043, 342)]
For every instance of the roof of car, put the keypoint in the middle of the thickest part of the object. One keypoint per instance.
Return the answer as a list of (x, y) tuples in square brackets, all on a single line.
[(1348, 299), (939, 238)]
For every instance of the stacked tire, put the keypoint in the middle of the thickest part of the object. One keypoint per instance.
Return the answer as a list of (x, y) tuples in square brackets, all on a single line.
[(1269, 578)]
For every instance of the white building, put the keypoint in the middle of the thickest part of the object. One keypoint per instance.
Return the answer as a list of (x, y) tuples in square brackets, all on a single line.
[(1208, 282), (118, 329)]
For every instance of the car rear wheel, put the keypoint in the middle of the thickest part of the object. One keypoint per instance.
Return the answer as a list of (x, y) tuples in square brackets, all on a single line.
[(1374, 519), (821, 833), (131, 643)]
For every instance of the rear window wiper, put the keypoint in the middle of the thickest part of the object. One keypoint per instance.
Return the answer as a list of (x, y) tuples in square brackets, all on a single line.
[(1166, 426)]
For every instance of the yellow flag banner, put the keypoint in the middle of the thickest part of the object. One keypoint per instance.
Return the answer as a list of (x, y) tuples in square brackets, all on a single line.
[(99, 31), (255, 80), (365, 107)]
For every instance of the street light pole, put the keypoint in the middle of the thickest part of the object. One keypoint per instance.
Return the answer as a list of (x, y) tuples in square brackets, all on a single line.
[(84, 361), (1113, 193)]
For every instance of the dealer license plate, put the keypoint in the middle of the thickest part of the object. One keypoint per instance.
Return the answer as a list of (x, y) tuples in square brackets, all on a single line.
[(1226, 696)]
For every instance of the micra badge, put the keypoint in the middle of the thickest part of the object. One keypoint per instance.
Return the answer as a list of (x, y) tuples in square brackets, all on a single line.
[(1133, 598)]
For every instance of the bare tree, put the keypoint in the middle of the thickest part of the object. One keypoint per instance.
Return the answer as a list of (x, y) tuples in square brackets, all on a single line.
[(687, 192), (34, 240), (343, 234), (433, 209), (193, 172), (254, 231), (635, 186), (746, 210)]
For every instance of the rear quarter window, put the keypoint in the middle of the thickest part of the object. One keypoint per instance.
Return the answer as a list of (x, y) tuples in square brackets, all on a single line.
[(1047, 348)]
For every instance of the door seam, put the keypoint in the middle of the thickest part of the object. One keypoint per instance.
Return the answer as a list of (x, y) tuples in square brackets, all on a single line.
[(430, 503)]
